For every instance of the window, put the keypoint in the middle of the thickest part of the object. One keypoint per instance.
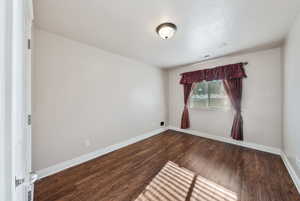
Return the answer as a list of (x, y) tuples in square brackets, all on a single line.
[(209, 95)]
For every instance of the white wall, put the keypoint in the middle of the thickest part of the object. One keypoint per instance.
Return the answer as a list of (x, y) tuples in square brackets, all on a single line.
[(291, 134), (83, 93), (261, 103)]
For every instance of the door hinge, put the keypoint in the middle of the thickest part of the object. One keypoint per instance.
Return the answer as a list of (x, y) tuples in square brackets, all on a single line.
[(18, 182), (29, 121), (29, 44)]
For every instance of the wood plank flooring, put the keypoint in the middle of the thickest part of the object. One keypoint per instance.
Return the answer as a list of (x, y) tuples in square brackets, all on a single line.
[(122, 175)]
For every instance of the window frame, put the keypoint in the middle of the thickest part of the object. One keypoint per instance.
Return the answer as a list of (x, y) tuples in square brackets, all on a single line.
[(207, 108)]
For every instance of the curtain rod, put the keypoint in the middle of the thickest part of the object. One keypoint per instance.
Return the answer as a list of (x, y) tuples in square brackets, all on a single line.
[(244, 63)]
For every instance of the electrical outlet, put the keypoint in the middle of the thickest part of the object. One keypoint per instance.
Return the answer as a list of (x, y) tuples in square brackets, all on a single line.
[(87, 143), (162, 123)]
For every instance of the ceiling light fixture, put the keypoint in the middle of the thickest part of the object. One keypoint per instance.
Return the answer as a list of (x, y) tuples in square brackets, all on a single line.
[(166, 30)]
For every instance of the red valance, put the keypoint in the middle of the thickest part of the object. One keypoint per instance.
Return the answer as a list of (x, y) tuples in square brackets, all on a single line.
[(227, 72)]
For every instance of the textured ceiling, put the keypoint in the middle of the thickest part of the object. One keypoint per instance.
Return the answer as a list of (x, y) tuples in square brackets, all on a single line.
[(205, 27)]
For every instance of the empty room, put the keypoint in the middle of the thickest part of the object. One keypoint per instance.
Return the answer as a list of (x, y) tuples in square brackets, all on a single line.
[(162, 100)]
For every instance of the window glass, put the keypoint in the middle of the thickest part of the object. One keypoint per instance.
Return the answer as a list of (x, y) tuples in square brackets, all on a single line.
[(209, 95)]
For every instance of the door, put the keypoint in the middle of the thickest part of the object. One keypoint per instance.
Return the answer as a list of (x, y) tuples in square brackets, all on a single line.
[(21, 101)]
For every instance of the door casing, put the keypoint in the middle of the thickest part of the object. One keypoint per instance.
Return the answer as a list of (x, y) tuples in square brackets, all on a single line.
[(16, 99)]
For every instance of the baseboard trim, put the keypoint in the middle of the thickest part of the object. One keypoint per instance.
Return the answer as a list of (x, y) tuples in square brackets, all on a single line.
[(259, 147), (84, 158), (291, 170)]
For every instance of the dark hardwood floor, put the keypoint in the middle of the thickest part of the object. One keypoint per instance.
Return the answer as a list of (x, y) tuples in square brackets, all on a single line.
[(122, 175)]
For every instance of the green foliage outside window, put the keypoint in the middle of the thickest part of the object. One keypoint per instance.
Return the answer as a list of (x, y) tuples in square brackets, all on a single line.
[(208, 95)]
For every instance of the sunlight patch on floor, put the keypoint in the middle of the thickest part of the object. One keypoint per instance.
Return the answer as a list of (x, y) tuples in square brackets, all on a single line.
[(205, 189), (174, 183)]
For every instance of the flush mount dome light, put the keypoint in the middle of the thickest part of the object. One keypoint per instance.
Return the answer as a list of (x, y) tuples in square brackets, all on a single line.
[(166, 30)]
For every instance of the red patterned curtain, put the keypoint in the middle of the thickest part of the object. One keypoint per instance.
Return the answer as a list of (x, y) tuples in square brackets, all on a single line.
[(232, 76), (234, 89), (227, 72), (185, 120)]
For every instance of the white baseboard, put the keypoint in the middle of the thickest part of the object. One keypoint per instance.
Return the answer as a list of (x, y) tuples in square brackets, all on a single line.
[(264, 148), (259, 147), (81, 159), (291, 171)]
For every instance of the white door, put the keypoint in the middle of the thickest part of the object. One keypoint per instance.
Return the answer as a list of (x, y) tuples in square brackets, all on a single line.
[(21, 101)]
